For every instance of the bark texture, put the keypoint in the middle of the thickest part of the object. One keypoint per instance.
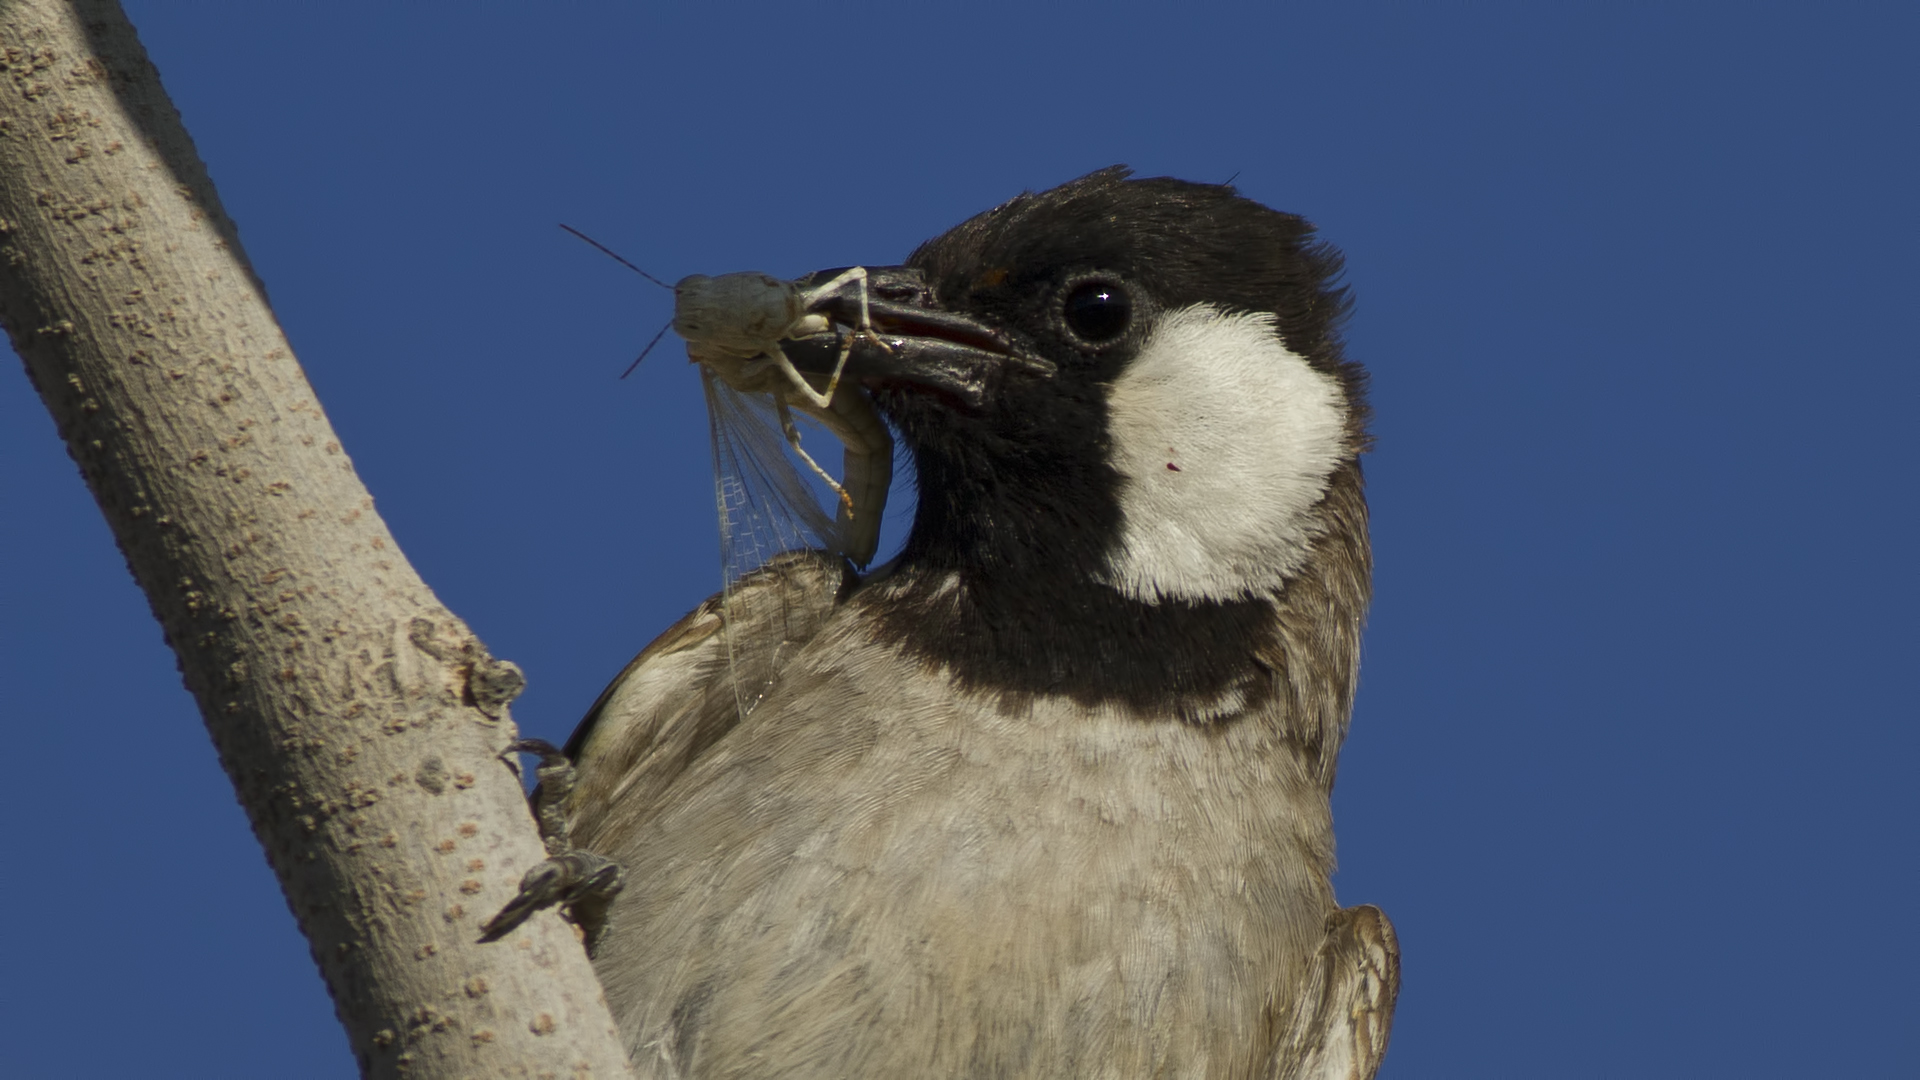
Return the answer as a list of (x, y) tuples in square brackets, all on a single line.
[(359, 720)]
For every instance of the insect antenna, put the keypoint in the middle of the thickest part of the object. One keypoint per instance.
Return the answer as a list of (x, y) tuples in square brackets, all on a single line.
[(645, 351), (615, 256)]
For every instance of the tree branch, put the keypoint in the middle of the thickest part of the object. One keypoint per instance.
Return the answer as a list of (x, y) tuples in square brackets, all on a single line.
[(359, 720)]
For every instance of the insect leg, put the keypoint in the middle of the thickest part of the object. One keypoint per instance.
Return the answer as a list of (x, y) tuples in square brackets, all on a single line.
[(866, 469), (793, 440), (855, 278)]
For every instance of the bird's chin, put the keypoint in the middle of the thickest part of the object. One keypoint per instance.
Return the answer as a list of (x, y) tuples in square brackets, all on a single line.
[(899, 397)]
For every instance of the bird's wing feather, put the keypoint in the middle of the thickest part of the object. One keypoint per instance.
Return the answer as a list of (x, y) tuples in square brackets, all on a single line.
[(677, 698), (1341, 1019)]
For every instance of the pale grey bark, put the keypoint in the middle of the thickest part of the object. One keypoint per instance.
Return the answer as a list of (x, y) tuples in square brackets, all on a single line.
[(359, 720)]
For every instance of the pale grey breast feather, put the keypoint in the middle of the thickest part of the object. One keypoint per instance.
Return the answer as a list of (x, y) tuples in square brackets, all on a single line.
[(1129, 896)]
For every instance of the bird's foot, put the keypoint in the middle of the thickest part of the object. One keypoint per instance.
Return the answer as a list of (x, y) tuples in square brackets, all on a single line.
[(580, 883)]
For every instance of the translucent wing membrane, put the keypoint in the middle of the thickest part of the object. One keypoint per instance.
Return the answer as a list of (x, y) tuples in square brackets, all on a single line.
[(765, 506)]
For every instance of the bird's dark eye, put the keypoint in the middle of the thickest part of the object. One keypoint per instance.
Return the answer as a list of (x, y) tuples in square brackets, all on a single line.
[(1097, 311)]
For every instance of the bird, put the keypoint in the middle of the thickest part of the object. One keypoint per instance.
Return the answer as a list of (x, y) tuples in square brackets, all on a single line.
[(1047, 793)]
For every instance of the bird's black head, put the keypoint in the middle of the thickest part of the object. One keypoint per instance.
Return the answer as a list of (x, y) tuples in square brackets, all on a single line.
[(1043, 267), (1127, 408)]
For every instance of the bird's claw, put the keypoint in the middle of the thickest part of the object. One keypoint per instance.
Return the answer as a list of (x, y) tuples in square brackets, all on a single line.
[(580, 883)]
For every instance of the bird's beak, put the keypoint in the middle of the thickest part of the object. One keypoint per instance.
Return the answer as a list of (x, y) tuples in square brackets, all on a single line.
[(914, 341)]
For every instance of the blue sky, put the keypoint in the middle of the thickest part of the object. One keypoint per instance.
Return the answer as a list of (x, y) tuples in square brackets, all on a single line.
[(1632, 765)]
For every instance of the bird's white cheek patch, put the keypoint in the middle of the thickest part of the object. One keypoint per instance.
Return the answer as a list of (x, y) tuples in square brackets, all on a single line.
[(1225, 439)]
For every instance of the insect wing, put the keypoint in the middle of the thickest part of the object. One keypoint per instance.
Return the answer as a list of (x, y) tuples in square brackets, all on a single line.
[(764, 504), (765, 507)]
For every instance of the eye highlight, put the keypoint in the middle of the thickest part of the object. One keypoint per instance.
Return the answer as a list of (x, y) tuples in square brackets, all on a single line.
[(1098, 311)]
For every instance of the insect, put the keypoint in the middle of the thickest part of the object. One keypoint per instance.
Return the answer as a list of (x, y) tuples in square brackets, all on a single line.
[(733, 325)]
